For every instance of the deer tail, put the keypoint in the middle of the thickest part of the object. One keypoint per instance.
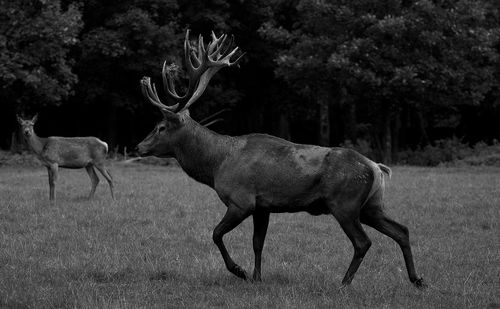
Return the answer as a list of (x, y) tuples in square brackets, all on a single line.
[(104, 144), (385, 169)]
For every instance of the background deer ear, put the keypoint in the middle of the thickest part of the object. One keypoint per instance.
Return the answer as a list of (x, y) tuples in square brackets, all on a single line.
[(19, 119), (35, 118)]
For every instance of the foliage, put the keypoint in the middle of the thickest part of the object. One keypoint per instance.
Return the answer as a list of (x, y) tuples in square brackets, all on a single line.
[(19, 159), (362, 146), (127, 40), (35, 40), (452, 152), (384, 57), (410, 71)]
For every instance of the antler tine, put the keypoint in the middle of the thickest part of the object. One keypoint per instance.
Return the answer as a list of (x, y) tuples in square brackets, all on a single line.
[(218, 45), (149, 91), (235, 62), (210, 117), (214, 37), (201, 47), (228, 45), (169, 85), (212, 122)]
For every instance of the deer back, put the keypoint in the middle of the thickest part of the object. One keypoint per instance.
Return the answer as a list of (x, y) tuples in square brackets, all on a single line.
[(74, 152), (287, 177)]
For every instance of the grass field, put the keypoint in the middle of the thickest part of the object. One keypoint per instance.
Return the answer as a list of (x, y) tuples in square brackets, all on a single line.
[(152, 247)]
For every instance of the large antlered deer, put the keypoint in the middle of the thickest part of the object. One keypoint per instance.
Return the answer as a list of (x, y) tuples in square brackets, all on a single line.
[(258, 174), (68, 152)]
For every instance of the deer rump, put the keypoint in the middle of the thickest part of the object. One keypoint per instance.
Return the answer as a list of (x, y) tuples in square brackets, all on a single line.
[(279, 176)]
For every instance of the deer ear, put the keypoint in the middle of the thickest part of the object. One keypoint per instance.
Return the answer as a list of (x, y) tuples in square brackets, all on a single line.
[(35, 118), (19, 119)]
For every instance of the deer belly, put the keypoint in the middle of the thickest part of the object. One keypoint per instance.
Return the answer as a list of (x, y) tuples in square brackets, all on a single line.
[(294, 195), (314, 207), (73, 159)]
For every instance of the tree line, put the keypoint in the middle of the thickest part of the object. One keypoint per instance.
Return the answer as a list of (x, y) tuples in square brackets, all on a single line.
[(392, 74)]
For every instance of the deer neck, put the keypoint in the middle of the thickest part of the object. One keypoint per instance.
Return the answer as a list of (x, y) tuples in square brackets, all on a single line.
[(36, 143), (201, 151)]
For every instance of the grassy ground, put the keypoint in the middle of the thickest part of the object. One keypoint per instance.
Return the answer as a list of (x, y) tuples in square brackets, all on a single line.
[(152, 247)]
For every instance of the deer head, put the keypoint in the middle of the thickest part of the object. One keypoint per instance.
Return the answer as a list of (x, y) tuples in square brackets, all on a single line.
[(201, 62), (27, 125)]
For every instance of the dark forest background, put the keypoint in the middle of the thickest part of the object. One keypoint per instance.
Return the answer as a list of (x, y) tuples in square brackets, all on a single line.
[(383, 76)]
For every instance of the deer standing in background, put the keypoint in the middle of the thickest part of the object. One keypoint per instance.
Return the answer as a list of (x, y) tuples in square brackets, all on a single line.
[(257, 174), (68, 152)]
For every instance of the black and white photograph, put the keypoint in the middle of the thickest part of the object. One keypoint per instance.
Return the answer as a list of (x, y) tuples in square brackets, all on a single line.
[(250, 154)]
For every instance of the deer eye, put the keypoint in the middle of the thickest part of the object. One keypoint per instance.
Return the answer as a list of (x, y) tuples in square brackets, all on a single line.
[(161, 129)]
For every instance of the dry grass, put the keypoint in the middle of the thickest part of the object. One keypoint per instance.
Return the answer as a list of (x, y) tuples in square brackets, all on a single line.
[(152, 248)]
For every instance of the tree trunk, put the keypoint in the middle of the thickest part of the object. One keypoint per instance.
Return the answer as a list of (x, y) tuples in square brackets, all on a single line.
[(387, 151), (395, 137), (324, 117), (17, 143), (111, 125), (424, 139), (351, 124), (284, 127)]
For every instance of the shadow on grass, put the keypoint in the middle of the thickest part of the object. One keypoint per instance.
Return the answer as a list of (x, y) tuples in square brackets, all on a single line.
[(278, 278), (97, 276), (83, 199), (222, 279), (166, 276)]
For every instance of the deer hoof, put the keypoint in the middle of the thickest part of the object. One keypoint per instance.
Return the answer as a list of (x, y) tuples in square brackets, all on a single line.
[(419, 283), (344, 287), (239, 272), (256, 278)]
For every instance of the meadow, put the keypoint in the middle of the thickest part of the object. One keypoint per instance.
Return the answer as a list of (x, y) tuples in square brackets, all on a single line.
[(152, 247)]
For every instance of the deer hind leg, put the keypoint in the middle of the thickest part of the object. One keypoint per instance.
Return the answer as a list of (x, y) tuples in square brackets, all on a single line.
[(52, 171), (93, 179), (360, 242), (348, 217), (260, 224), (373, 215), (233, 217), (104, 171)]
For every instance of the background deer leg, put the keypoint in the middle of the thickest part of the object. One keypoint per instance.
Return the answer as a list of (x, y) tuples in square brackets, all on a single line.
[(234, 216), (93, 179), (104, 171), (260, 224), (360, 241), (374, 216), (52, 170)]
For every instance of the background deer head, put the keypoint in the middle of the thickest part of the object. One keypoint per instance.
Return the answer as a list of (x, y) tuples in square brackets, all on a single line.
[(27, 125)]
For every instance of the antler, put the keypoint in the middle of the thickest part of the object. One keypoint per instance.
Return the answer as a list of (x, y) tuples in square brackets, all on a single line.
[(201, 65)]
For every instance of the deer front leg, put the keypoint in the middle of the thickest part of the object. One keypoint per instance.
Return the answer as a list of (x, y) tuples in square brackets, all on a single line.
[(234, 216), (52, 170), (260, 224)]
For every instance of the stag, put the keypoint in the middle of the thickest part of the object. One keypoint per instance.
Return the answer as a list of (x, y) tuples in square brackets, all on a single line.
[(258, 174), (68, 152)]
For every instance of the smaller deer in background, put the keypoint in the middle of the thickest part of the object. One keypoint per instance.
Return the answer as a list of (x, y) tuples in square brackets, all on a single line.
[(68, 152)]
